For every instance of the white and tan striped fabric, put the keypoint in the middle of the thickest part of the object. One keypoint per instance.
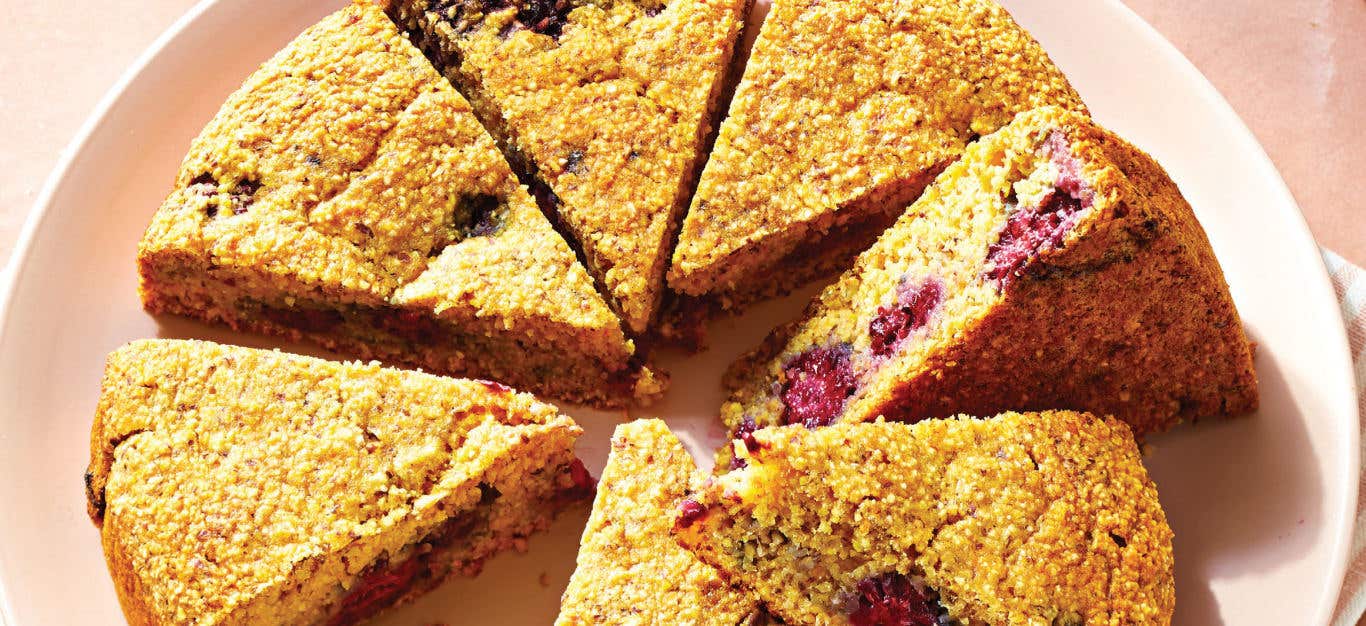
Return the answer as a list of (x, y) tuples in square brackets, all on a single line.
[(1350, 283)]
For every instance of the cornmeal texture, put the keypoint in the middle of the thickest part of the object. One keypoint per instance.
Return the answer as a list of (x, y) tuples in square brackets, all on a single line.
[(630, 570), (347, 195), (604, 105), (1045, 519), (241, 486), (1055, 266), (846, 111)]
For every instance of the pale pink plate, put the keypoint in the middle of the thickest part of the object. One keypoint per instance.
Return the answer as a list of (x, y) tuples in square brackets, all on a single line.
[(1262, 506)]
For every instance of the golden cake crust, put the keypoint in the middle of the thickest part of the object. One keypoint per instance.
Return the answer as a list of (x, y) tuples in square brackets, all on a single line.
[(243, 486), (630, 570), (1042, 519), (845, 112), (347, 194), (608, 104)]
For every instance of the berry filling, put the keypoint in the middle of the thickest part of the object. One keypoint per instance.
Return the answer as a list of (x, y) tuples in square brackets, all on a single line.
[(689, 511), (745, 433), (895, 600), (1031, 231), (379, 588), (819, 382), (911, 312)]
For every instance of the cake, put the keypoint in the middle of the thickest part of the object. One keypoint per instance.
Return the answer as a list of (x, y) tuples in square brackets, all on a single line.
[(1054, 266), (604, 107), (1045, 519), (630, 570), (347, 195), (242, 486), (845, 112)]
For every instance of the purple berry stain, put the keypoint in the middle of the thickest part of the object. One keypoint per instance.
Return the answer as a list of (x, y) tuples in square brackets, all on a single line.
[(1030, 231), (893, 600), (819, 382), (914, 305)]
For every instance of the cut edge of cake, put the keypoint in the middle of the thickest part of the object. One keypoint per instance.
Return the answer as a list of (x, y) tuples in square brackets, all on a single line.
[(1052, 222)]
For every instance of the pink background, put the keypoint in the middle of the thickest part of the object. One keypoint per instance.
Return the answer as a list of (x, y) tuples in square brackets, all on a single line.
[(1295, 70)]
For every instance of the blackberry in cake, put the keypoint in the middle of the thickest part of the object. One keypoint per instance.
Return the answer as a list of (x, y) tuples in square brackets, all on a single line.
[(1055, 266), (241, 486), (603, 106), (1019, 519), (347, 195), (630, 570), (845, 112)]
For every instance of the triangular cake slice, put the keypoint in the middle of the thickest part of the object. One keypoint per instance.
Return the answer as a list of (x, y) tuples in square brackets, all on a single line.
[(1019, 519), (846, 111), (347, 195), (630, 569), (1055, 266), (604, 107), (242, 486)]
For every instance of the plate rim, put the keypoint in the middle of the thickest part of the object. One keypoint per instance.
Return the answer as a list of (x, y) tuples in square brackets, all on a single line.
[(1349, 446)]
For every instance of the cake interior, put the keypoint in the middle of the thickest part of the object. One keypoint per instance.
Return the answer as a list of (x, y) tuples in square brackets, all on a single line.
[(942, 267), (504, 514)]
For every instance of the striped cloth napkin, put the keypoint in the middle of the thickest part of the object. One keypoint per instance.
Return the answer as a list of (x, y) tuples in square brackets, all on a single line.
[(1350, 283)]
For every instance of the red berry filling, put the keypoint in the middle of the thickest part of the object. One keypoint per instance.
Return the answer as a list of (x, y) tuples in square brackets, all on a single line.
[(689, 511), (819, 382), (379, 588), (893, 600), (912, 310), (1031, 231), (744, 432)]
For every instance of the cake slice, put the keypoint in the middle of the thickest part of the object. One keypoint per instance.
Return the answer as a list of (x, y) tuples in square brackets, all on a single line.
[(347, 195), (1055, 266), (630, 570), (241, 486), (604, 107), (846, 111), (1043, 519)]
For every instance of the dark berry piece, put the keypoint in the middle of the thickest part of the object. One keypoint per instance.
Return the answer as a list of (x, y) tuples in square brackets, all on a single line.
[(744, 432), (893, 600), (309, 320), (1032, 230), (689, 511), (583, 481), (914, 305), (546, 17), (379, 587), (204, 179), (573, 162), (413, 326), (819, 382)]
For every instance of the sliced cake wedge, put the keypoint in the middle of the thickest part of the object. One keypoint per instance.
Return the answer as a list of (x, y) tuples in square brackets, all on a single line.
[(604, 106), (347, 195), (1055, 266), (845, 112), (242, 486), (1043, 519), (630, 570)]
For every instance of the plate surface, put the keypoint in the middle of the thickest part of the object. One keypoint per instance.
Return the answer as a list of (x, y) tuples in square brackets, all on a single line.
[(1261, 505)]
